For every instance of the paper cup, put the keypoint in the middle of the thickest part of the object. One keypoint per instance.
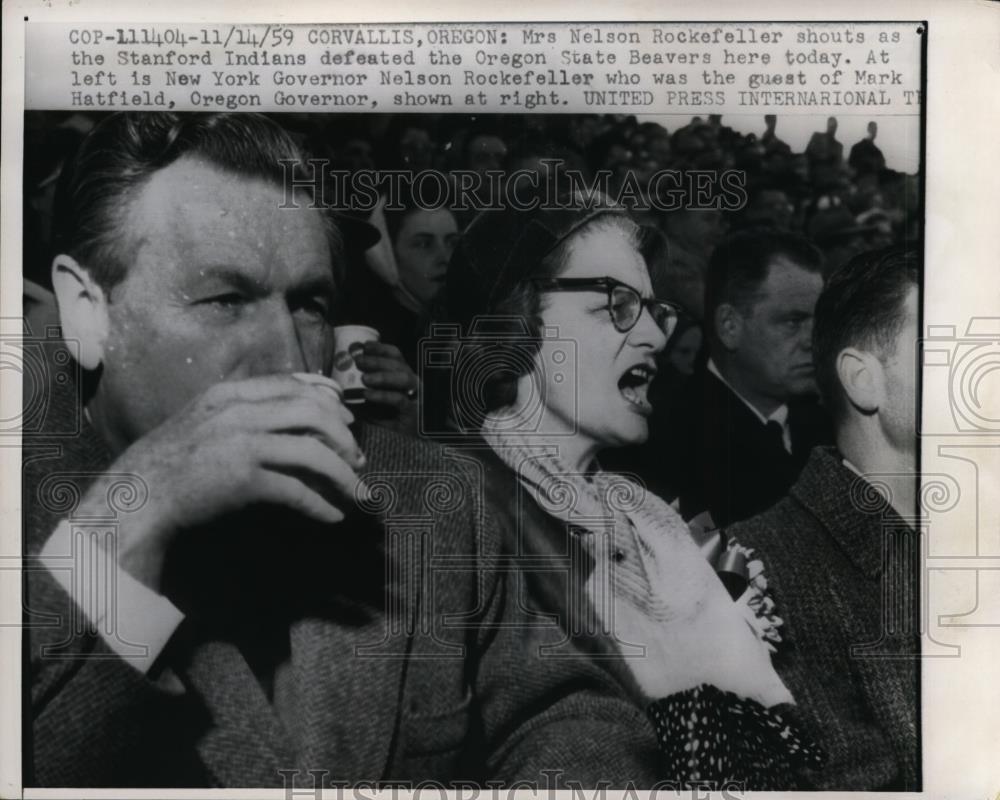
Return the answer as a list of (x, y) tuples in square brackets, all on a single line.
[(348, 340)]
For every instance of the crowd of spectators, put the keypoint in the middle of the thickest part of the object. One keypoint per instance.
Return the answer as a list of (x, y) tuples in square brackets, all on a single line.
[(844, 204)]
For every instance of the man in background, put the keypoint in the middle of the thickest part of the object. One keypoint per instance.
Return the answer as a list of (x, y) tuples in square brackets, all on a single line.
[(841, 552), (866, 157), (747, 420)]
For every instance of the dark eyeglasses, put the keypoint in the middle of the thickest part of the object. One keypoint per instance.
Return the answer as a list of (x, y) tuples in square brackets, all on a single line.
[(625, 304)]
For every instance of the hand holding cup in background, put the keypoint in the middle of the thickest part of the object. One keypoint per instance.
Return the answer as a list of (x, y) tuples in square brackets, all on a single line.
[(376, 379), (349, 343)]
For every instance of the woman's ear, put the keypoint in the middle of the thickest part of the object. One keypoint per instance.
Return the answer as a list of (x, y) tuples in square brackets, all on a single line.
[(83, 310), (863, 379), (728, 325)]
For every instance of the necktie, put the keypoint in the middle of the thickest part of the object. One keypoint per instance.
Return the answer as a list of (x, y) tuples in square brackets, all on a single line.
[(776, 433)]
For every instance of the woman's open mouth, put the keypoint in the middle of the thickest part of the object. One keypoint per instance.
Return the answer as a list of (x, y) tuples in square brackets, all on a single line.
[(634, 386)]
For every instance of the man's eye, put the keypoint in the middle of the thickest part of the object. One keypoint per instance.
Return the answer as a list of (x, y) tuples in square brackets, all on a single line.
[(227, 300), (316, 306)]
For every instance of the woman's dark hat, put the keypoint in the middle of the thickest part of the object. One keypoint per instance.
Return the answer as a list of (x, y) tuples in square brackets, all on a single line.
[(502, 248)]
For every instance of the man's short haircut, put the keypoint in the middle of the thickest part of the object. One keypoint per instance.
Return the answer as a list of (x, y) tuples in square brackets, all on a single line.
[(861, 306), (123, 151), (740, 264)]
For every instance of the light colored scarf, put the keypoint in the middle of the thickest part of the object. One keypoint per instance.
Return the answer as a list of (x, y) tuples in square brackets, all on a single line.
[(673, 619)]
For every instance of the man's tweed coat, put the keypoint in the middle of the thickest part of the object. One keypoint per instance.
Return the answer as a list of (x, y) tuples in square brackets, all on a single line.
[(392, 646), (841, 566)]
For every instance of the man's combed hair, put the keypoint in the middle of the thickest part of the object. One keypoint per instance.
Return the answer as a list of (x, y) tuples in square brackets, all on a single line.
[(740, 264), (118, 157), (861, 306)]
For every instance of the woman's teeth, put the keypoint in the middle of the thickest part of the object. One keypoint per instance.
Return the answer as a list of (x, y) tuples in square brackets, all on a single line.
[(636, 395), (634, 386)]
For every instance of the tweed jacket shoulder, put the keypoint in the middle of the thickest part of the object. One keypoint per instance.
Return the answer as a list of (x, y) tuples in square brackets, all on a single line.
[(842, 568), (394, 645)]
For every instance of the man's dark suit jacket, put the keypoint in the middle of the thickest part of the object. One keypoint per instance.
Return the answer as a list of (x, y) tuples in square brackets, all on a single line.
[(841, 566), (397, 638), (721, 458)]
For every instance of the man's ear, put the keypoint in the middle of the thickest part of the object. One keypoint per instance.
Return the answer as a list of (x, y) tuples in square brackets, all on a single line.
[(83, 310), (728, 325), (863, 379)]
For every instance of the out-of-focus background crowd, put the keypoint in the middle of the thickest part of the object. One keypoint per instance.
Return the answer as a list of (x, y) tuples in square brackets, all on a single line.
[(840, 195)]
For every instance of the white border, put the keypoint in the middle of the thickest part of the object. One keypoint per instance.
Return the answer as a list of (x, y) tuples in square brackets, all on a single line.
[(961, 707)]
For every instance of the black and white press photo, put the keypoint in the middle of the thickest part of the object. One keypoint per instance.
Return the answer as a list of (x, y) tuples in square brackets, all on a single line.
[(474, 406)]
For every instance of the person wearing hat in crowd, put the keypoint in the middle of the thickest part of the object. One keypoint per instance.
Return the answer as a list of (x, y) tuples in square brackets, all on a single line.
[(866, 156), (220, 587), (559, 337), (841, 235), (770, 141), (826, 157)]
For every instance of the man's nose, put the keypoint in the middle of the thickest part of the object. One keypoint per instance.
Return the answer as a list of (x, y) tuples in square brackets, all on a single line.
[(279, 347), (442, 254), (806, 335)]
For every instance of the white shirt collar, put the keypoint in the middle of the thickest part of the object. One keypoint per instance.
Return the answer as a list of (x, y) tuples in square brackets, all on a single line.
[(851, 467), (779, 415)]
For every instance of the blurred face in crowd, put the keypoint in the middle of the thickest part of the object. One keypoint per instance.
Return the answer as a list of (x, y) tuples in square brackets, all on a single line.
[(222, 284), (771, 350), (423, 248), (487, 152), (771, 207), (416, 149), (800, 165), (596, 378), (696, 231), (685, 349), (842, 249), (357, 154), (524, 168), (583, 131)]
